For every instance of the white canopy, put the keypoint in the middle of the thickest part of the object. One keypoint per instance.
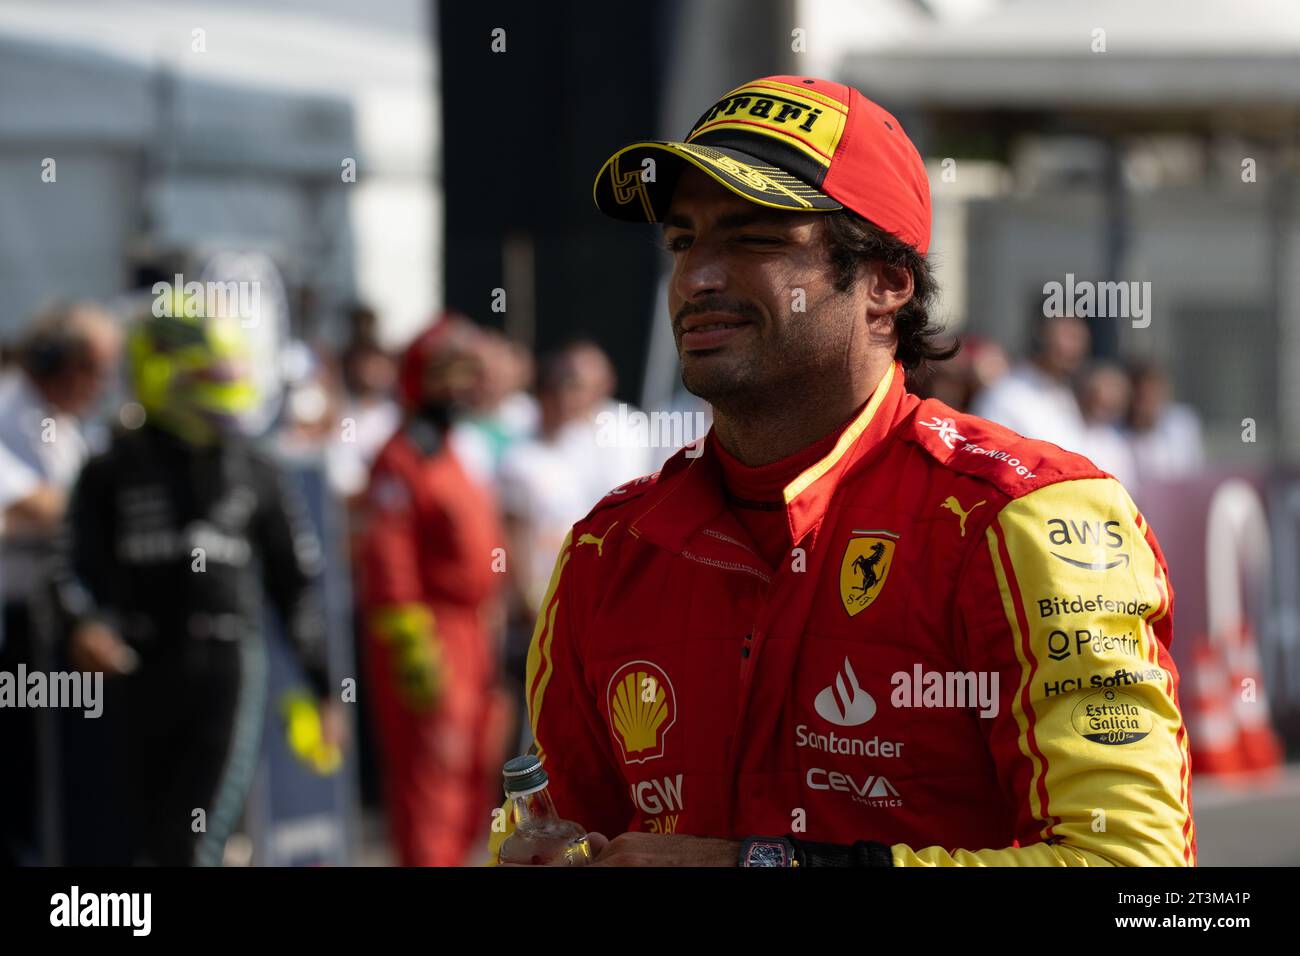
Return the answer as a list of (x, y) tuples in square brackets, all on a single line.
[(1041, 53)]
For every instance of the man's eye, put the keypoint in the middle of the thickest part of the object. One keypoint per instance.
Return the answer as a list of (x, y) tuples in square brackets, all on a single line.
[(677, 243), (760, 240)]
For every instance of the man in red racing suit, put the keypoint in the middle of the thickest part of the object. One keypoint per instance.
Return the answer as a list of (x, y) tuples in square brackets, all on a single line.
[(850, 627), (1002, 681), (429, 545)]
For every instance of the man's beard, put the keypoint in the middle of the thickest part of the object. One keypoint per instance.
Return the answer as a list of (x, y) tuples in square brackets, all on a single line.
[(724, 388), (791, 368), (441, 414), (742, 379)]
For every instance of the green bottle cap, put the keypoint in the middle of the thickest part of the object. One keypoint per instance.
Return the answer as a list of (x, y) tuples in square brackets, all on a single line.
[(524, 775)]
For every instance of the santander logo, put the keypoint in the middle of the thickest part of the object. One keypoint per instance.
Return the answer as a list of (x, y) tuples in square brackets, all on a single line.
[(844, 703)]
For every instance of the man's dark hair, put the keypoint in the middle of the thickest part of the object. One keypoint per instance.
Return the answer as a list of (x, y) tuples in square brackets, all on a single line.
[(851, 241)]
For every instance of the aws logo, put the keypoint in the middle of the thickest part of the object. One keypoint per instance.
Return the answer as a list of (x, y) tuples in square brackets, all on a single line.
[(1103, 541), (642, 709)]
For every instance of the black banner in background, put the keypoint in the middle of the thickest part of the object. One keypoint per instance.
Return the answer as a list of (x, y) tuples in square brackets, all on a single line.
[(333, 907)]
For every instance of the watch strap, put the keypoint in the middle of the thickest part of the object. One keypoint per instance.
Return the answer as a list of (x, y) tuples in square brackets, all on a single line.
[(861, 853)]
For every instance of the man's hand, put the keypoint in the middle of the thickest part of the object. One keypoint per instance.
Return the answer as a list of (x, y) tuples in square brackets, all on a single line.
[(421, 671), (663, 849), (333, 725), (38, 513), (415, 652), (94, 647)]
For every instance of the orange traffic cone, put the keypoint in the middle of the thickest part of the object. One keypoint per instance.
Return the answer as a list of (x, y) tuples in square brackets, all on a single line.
[(1260, 747), (1212, 727)]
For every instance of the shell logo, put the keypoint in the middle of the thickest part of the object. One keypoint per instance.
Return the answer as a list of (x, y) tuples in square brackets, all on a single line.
[(642, 707)]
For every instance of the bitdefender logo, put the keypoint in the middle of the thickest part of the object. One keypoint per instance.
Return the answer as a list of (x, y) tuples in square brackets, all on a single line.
[(844, 703)]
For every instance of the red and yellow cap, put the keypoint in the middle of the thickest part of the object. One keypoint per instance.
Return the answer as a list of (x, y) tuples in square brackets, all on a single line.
[(789, 142)]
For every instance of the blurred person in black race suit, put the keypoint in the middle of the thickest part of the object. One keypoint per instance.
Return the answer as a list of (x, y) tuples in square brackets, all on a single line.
[(430, 557), (177, 531), (63, 362)]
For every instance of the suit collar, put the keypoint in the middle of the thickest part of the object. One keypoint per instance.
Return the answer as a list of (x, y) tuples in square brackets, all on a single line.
[(689, 496)]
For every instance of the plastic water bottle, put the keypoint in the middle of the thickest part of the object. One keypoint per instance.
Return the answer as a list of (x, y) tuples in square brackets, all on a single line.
[(540, 837)]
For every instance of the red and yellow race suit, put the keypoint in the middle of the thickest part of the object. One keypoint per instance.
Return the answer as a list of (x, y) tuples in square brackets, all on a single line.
[(965, 656)]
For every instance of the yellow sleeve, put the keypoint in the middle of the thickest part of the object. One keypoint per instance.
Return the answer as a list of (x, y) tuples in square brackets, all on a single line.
[(1069, 604)]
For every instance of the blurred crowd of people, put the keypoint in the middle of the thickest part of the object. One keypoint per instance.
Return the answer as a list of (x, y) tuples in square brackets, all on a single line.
[(460, 463), (478, 460), (1122, 417)]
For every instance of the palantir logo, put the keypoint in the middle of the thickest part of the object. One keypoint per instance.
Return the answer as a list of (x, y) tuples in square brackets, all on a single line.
[(844, 703)]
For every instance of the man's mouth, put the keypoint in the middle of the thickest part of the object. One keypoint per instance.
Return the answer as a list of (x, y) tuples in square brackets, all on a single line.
[(709, 335)]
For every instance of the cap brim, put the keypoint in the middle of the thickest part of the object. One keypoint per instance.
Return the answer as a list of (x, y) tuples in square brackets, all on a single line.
[(627, 188)]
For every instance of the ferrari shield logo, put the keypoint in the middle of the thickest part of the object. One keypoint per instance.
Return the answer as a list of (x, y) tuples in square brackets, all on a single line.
[(864, 569)]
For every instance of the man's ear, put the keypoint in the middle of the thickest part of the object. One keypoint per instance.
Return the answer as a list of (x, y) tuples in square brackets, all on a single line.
[(882, 329), (888, 289)]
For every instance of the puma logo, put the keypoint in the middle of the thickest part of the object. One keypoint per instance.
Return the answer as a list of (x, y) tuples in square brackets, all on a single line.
[(588, 538), (953, 505)]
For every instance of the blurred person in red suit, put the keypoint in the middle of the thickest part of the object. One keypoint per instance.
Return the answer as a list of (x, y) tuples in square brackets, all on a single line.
[(431, 551)]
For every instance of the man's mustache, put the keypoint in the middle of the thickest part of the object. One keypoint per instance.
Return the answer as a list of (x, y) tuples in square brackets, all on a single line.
[(736, 307)]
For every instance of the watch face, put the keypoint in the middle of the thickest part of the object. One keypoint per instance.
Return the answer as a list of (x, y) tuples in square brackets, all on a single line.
[(766, 854)]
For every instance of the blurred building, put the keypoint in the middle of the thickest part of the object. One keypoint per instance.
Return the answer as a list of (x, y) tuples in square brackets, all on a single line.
[(1108, 141), (578, 80), (208, 127)]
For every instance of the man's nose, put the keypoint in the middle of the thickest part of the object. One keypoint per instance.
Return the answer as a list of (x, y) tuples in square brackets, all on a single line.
[(700, 272)]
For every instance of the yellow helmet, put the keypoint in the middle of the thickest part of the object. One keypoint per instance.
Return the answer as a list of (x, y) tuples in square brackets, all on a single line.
[(191, 374)]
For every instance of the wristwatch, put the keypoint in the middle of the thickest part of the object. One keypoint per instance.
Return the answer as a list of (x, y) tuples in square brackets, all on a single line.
[(769, 851)]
